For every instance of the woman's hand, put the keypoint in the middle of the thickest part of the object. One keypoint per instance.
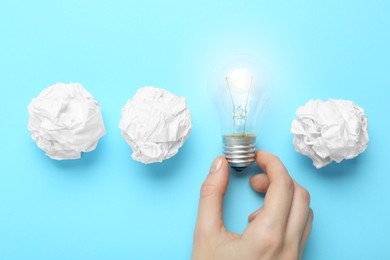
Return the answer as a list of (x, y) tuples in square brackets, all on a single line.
[(278, 230)]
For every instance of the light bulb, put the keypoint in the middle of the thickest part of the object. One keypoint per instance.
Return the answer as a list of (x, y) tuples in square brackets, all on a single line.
[(240, 92)]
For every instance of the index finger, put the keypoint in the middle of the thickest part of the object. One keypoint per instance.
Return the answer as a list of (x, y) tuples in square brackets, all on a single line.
[(278, 198)]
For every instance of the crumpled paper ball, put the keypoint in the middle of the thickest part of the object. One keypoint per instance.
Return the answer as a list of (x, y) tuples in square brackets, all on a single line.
[(155, 123), (65, 120), (330, 131)]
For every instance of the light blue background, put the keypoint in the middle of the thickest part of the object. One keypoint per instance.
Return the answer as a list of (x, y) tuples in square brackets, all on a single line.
[(106, 206)]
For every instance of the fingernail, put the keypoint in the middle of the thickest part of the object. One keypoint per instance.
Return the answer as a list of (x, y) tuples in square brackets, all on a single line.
[(216, 164)]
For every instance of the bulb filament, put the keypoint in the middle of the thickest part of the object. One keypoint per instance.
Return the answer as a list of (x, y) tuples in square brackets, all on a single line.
[(239, 90)]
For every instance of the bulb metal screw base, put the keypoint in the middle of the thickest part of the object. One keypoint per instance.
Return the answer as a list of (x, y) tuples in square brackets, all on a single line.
[(239, 150)]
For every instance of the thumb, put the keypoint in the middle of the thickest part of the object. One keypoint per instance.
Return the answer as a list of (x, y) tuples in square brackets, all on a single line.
[(211, 196)]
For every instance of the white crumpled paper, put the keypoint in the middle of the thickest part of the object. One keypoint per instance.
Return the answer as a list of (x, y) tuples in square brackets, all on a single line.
[(330, 131), (155, 123), (65, 120)]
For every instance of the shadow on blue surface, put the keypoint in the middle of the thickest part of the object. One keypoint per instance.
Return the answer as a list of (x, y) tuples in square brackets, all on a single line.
[(344, 169), (340, 169), (87, 160), (168, 168)]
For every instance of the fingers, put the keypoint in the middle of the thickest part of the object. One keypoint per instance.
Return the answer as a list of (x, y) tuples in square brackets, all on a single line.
[(286, 211), (278, 199), (259, 182), (254, 214), (306, 233), (211, 196), (298, 216)]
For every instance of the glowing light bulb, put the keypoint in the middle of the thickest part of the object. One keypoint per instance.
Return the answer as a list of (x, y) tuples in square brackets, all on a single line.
[(240, 93)]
